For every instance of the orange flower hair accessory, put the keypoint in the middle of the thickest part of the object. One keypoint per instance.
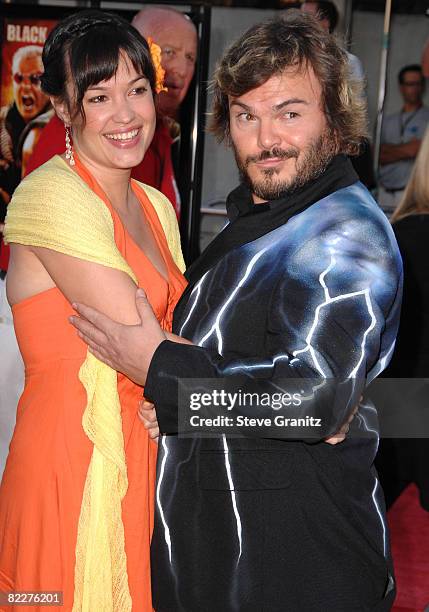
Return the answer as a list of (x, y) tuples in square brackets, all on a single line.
[(155, 53)]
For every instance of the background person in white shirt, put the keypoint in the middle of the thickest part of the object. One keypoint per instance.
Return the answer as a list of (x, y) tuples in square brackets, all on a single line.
[(401, 138)]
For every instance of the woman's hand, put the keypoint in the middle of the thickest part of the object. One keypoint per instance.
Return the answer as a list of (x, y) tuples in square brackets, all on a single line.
[(147, 416), (341, 434), (178, 339)]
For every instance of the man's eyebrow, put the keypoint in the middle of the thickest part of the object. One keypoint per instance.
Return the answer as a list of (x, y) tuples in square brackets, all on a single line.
[(101, 88), (282, 105), (240, 104), (277, 107)]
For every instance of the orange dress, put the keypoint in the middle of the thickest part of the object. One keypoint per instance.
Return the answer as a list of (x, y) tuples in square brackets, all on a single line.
[(42, 486)]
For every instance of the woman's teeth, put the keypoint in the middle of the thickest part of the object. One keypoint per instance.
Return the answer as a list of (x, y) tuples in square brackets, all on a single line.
[(123, 136)]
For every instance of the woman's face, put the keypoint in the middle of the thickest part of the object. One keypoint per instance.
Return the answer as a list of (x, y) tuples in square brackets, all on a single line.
[(120, 120)]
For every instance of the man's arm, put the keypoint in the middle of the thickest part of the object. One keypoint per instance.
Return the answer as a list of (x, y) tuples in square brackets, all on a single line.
[(119, 346), (111, 291), (391, 153), (339, 305)]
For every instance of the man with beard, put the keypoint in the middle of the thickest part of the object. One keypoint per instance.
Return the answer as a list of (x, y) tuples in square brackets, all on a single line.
[(303, 284), (29, 102)]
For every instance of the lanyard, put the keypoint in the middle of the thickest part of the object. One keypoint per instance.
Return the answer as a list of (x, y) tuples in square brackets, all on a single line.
[(403, 124)]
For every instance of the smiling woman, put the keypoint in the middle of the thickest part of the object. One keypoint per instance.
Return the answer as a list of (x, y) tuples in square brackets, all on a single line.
[(81, 230), (116, 119)]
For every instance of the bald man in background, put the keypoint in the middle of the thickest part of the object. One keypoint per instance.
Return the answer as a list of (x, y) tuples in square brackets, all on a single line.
[(175, 33), (177, 36)]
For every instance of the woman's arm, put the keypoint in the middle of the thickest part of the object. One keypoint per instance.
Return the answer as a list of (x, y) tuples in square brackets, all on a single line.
[(36, 269)]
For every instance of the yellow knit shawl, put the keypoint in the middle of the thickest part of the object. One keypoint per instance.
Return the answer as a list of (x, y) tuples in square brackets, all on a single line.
[(54, 208)]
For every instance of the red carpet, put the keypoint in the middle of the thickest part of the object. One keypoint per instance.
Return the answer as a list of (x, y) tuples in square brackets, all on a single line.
[(409, 531)]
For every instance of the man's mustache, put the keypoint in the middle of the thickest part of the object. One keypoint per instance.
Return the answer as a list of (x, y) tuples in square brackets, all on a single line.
[(272, 154)]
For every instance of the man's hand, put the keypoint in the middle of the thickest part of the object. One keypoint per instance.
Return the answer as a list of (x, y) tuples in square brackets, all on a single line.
[(125, 348), (147, 416)]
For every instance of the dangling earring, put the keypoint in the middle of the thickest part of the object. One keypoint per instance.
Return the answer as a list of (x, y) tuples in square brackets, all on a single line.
[(69, 149)]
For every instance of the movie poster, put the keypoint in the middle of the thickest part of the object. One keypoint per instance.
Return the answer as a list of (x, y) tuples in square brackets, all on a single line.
[(24, 108)]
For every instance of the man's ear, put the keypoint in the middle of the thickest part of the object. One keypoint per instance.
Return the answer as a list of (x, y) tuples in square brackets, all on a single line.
[(61, 109)]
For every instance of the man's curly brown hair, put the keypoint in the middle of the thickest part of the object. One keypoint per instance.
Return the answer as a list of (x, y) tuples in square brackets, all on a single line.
[(293, 42)]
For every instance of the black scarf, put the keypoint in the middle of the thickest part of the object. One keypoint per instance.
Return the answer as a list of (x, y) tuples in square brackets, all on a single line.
[(249, 221)]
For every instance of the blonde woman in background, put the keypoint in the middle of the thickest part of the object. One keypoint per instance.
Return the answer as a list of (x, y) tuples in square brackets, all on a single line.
[(405, 460), (416, 196)]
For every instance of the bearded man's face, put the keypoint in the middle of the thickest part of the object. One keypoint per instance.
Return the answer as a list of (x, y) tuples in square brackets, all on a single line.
[(280, 135)]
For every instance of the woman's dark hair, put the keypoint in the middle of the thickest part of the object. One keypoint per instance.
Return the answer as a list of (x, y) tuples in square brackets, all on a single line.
[(294, 42), (85, 49)]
